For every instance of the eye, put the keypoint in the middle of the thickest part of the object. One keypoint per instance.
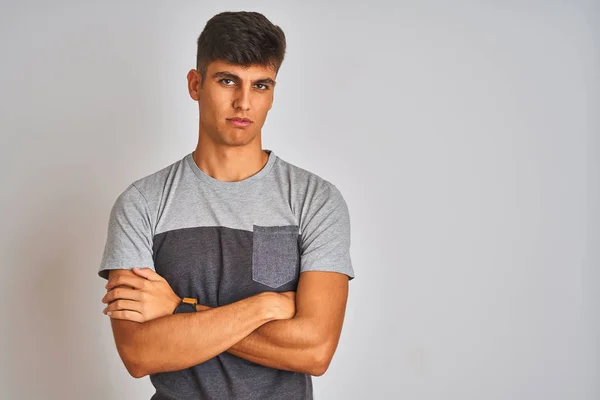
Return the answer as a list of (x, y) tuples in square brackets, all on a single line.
[(266, 87), (225, 79)]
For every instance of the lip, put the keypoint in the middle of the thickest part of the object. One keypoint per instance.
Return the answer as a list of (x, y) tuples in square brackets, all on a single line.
[(241, 122)]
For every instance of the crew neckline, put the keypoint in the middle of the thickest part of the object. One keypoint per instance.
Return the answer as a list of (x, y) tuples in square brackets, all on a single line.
[(216, 183)]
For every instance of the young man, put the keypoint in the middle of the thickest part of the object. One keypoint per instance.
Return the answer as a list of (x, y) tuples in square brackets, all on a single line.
[(228, 270)]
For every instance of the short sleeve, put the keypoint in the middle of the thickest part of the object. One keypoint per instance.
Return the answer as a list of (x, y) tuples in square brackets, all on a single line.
[(129, 237), (325, 234)]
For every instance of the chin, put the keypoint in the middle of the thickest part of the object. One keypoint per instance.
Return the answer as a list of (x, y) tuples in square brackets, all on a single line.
[(239, 140)]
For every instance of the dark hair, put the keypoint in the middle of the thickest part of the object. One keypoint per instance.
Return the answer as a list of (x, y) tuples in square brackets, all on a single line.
[(240, 37)]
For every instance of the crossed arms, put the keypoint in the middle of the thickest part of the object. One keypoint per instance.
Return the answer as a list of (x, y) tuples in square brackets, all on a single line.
[(260, 328)]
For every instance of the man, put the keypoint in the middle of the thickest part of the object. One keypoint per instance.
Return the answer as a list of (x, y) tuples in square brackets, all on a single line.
[(228, 270)]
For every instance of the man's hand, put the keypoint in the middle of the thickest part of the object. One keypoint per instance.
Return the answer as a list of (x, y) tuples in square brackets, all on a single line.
[(139, 298), (288, 303), (292, 296)]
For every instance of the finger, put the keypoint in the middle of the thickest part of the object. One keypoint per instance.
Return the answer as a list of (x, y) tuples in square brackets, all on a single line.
[(109, 290), (126, 315), (135, 282), (147, 273), (123, 293), (122, 305)]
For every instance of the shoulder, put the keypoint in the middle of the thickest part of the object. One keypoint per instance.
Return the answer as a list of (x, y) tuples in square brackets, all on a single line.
[(311, 192), (156, 181), (149, 187), (305, 182)]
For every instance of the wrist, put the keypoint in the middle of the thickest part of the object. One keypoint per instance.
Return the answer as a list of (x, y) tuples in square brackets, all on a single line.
[(175, 303)]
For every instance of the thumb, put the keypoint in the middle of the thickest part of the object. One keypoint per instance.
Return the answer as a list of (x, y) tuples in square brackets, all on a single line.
[(147, 273)]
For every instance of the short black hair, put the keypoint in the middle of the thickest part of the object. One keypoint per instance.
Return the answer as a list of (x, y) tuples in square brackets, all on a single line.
[(240, 37)]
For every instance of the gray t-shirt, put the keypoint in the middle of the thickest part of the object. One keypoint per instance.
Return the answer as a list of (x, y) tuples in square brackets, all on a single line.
[(221, 242)]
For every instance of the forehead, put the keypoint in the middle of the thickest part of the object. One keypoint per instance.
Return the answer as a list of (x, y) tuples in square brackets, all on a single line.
[(244, 72)]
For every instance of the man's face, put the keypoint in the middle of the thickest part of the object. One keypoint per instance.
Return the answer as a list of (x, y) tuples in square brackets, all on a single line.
[(232, 91)]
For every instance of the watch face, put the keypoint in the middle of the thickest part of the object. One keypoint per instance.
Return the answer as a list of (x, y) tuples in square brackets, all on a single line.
[(185, 307)]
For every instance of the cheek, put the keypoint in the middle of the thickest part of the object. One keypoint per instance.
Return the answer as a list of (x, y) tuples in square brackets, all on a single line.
[(264, 109), (214, 107)]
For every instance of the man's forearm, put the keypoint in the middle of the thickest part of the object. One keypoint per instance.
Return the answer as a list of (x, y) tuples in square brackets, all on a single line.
[(179, 341), (290, 344)]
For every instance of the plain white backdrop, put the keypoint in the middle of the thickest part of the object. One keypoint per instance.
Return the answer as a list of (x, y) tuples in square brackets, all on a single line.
[(465, 138)]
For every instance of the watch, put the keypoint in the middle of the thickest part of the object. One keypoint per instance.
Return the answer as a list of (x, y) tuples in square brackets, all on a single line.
[(187, 304)]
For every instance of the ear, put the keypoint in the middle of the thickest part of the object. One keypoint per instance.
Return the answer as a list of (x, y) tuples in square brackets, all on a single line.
[(194, 80)]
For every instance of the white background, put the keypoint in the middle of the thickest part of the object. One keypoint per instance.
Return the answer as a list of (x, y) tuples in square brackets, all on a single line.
[(465, 139)]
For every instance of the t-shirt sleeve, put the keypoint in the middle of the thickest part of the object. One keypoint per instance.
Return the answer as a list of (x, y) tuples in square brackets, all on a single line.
[(325, 234), (129, 237)]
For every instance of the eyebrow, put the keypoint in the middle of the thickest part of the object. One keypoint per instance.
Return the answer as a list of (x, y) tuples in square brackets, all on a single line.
[(234, 77)]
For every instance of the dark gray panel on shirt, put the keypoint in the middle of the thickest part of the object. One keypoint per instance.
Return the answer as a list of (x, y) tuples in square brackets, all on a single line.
[(220, 265)]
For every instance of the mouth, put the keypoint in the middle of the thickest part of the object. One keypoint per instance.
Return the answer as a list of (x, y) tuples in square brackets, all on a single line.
[(241, 122)]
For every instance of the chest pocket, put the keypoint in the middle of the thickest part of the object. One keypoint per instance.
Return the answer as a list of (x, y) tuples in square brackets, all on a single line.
[(275, 254)]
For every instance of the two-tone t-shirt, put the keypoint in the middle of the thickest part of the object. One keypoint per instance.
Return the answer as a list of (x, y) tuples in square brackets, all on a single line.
[(221, 242)]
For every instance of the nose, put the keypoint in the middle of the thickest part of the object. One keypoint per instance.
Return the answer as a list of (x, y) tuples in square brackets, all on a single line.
[(241, 100)]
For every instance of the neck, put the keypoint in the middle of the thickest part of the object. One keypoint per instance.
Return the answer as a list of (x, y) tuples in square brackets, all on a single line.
[(230, 163)]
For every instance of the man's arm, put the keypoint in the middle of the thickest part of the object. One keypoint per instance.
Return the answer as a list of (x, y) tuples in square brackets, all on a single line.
[(307, 342), (179, 341)]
